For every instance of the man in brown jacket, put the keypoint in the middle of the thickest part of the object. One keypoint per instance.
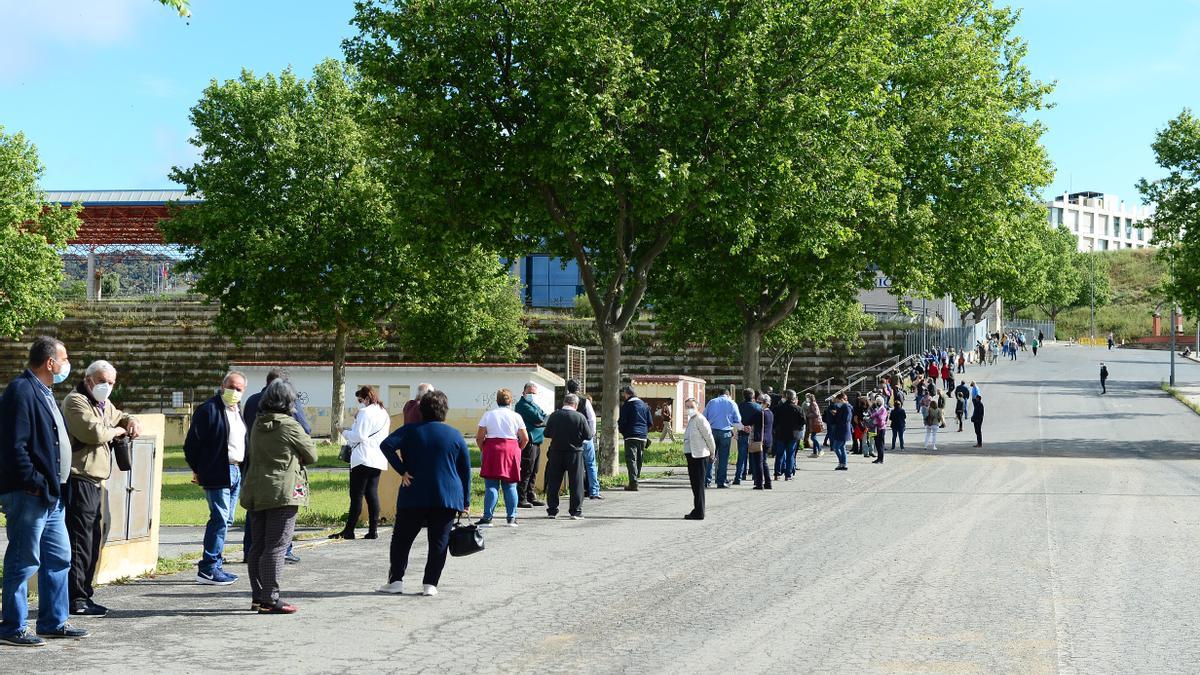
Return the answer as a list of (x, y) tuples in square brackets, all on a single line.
[(92, 423)]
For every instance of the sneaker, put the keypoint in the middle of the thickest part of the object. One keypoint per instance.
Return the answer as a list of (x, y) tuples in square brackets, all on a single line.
[(82, 607), (483, 522), (280, 607), (524, 505), (535, 502), (596, 496), (429, 590), (67, 631), (23, 639), (395, 588), (551, 516), (217, 577), (841, 467), (577, 516), (291, 558), (512, 522)]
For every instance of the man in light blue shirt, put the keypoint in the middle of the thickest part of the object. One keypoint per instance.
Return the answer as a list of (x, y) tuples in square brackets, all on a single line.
[(722, 414)]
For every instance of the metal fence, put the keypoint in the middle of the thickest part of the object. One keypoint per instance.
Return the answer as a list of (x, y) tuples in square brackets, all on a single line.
[(960, 338), (1031, 327)]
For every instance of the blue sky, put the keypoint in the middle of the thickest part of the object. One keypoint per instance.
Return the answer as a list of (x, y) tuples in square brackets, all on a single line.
[(103, 87)]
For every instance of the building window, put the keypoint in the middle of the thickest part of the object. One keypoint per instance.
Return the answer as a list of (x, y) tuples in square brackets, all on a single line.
[(1103, 244), (1129, 228), (1089, 223), (1073, 220), (1141, 234), (1056, 216), (550, 283), (1104, 224)]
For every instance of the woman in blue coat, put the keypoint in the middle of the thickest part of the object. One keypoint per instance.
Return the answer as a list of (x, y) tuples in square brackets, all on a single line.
[(435, 488)]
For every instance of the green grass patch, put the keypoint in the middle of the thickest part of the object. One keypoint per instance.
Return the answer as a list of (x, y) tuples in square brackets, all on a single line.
[(1181, 397), (327, 457), (328, 501)]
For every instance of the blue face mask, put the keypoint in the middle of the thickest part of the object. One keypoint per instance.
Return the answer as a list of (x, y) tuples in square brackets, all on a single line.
[(62, 375)]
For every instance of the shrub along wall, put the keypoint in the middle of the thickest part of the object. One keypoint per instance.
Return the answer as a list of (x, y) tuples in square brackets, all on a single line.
[(163, 347)]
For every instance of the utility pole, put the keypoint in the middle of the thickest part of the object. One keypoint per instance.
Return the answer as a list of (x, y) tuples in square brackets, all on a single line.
[(1174, 309), (1092, 277)]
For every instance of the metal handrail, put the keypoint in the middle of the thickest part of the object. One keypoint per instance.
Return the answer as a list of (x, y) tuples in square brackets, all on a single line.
[(824, 382), (899, 367), (848, 387), (870, 368)]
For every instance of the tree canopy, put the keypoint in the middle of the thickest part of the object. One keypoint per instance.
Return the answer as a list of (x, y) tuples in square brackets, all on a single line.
[(1176, 200), (33, 234)]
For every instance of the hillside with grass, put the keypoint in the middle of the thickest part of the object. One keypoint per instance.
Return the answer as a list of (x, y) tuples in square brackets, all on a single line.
[(1134, 277)]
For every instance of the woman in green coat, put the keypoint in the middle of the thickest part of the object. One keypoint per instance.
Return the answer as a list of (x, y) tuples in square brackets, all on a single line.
[(274, 487)]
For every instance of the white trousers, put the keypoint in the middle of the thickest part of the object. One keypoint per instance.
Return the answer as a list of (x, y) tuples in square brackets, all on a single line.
[(931, 436)]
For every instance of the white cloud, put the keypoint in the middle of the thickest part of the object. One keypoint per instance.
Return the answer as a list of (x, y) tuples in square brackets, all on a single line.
[(36, 31)]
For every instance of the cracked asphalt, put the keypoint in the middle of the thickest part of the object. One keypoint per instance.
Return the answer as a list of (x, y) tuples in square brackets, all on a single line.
[(1066, 544)]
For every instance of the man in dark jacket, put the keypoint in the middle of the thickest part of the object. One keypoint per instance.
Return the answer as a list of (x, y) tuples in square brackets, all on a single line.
[(531, 454), (214, 448), (249, 412), (751, 413), (634, 425), (789, 429), (1104, 378), (567, 430), (977, 420), (35, 463)]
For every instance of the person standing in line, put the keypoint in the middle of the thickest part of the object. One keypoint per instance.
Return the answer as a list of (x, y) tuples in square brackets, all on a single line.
[(500, 437), (960, 409), (840, 413), (664, 413), (367, 462), (858, 424), (973, 392), (962, 362), (977, 420), (35, 465), (249, 412), (934, 419), (535, 424), (879, 420), (789, 423), (634, 424), (274, 488), (898, 418), (567, 430), (751, 413), (761, 439), (93, 422), (698, 445), (215, 448), (1103, 378), (723, 416), (589, 446), (947, 376), (435, 487), (412, 409), (815, 423)]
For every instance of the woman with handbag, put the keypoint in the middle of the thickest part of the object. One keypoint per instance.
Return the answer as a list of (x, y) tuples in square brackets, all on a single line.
[(435, 488), (366, 461), (934, 419), (274, 486), (500, 437)]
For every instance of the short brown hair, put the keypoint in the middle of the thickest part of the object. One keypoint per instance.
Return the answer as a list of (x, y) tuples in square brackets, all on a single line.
[(369, 395), (504, 397)]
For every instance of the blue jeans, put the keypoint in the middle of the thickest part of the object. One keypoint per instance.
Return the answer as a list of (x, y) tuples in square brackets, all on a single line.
[(37, 542), (723, 439), (743, 458), (898, 434), (785, 457), (839, 449), (222, 502), (589, 465), (491, 496)]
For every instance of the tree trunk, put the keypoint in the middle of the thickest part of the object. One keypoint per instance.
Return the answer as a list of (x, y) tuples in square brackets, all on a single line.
[(787, 370), (752, 358), (606, 455), (339, 383)]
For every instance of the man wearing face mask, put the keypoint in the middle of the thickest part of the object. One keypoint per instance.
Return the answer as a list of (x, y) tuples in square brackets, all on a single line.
[(35, 462), (214, 448), (93, 422), (698, 446)]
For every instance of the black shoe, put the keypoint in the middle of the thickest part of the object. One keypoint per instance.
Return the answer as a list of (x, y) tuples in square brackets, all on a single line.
[(371, 534), (83, 607), (631, 488), (722, 487), (23, 639), (534, 502), (524, 505), (737, 482), (344, 534), (692, 516), (841, 467), (767, 487), (878, 461), (757, 487), (67, 631)]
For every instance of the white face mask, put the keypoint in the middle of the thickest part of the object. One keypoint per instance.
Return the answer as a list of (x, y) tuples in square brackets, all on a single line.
[(689, 412), (101, 391)]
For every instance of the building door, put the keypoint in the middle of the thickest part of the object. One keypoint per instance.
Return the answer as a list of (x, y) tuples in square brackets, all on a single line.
[(398, 395)]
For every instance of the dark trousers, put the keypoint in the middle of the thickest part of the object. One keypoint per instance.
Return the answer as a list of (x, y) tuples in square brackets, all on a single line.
[(760, 470), (696, 469), (1103, 385), (897, 434), (635, 448), (364, 481), (531, 455), (86, 534), (273, 530), (978, 431), (557, 464), (879, 438), (409, 522)]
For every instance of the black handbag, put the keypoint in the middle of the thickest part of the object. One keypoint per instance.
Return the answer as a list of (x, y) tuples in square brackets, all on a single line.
[(465, 539), (344, 453), (119, 447)]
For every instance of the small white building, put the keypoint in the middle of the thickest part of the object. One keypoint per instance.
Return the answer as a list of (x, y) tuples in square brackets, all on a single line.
[(469, 387), (656, 390)]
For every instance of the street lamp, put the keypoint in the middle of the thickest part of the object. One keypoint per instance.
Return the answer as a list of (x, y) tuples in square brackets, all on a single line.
[(1174, 312)]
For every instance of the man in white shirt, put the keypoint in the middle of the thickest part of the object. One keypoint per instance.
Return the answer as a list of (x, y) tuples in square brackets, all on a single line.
[(698, 446), (215, 448)]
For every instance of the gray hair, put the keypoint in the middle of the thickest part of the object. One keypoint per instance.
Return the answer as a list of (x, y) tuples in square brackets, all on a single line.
[(424, 388), (528, 386), (571, 400), (280, 397), (232, 374), (100, 366), (789, 395)]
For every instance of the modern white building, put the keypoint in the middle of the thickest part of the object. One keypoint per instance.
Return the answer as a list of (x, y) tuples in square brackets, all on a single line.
[(1101, 222)]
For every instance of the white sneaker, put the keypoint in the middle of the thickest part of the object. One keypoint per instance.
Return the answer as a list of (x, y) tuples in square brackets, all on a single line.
[(429, 590), (512, 523), (579, 517), (395, 588)]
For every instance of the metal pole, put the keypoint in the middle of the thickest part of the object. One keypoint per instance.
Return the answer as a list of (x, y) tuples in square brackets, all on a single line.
[(924, 325), (1172, 345), (1092, 284)]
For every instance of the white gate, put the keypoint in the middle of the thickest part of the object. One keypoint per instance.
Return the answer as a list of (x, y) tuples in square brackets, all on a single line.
[(577, 366)]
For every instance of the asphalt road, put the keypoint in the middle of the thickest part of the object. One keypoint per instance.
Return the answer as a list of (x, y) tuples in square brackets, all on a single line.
[(1066, 544)]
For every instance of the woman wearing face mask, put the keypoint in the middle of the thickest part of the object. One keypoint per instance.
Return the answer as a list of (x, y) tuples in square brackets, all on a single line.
[(367, 462), (92, 423), (698, 445)]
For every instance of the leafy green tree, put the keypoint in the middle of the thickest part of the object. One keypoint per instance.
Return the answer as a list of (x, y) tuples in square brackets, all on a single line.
[(180, 6), (297, 227), (1061, 272), (33, 234), (815, 324), (1176, 201), (600, 132)]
